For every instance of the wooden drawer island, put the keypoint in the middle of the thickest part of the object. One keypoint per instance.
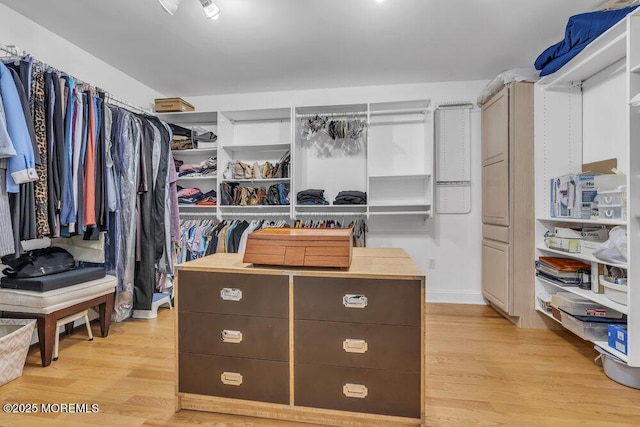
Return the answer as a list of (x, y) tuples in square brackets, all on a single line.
[(341, 347)]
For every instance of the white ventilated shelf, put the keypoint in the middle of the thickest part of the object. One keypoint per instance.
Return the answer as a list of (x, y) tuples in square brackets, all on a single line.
[(608, 48), (585, 293), (581, 257), (595, 221), (195, 152), (257, 147), (605, 346)]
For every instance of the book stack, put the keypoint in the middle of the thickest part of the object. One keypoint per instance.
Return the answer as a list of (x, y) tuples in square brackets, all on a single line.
[(563, 271)]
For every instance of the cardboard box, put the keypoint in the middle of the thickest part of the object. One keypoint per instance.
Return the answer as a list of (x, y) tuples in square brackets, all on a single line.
[(573, 196), (617, 338), (301, 247), (172, 105)]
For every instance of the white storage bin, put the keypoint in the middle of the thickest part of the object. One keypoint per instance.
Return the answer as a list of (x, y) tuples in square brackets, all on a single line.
[(617, 370), (592, 331), (613, 291), (612, 212), (615, 197)]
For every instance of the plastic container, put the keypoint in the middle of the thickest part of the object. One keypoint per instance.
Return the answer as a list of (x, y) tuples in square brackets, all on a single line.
[(617, 370), (615, 292), (615, 197), (592, 331), (612, 211)]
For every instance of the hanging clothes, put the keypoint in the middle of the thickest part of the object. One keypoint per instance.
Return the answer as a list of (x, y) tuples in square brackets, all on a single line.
[(39, 121)]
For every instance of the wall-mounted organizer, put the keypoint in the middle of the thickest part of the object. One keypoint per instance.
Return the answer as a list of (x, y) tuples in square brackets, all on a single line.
[(583, 114), (381, 154)]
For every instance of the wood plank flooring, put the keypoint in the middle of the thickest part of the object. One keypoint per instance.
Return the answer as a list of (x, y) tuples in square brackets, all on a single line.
[(481, 370)]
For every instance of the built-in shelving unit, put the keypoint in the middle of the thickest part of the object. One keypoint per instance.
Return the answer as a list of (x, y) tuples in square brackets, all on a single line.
[(583, 115), (392, 162)]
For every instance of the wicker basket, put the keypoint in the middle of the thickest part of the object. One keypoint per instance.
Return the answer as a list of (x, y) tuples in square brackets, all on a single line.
[(15, 337)]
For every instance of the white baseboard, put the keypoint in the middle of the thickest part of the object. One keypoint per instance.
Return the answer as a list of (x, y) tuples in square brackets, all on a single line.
[(455, 297)]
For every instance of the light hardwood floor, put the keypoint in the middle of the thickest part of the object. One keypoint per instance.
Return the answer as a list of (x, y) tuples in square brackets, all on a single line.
[(481, 371)]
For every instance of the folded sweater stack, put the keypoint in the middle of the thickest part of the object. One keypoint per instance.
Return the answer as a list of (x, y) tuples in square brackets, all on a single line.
[(351, 198)]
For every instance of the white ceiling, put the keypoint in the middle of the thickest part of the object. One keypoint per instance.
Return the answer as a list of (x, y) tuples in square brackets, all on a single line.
[(267, 45)]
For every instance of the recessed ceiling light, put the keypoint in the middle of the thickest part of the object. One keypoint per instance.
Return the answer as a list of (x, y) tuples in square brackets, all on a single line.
[(211, 11)]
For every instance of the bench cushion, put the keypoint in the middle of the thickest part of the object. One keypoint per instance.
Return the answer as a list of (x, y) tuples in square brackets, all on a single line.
[(20, 301)]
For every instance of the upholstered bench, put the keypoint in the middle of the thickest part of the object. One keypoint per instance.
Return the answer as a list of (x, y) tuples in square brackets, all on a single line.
[(49, 307)]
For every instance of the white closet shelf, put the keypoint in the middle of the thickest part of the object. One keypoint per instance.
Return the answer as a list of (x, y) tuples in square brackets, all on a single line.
[(263, 115), (605, 346), (421, 110), (263, 180), (195, 151), (635, 69), (399, 212), (203, 207), (594, 221), (402, 177), (197, 178), (258, 147), (588, 294), (607, 49), (581, 257), (400, 204), (549, 315), (190, 117), (255, 207), (330, 207)]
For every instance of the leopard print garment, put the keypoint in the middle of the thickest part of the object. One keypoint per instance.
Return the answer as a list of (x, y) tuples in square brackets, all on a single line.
[(42, 207)]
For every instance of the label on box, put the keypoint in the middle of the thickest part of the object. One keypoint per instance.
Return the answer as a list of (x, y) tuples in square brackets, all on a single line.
[(620, 335), (621, 347)]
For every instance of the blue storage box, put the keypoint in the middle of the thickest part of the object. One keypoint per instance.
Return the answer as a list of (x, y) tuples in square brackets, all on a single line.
[(618, 338)]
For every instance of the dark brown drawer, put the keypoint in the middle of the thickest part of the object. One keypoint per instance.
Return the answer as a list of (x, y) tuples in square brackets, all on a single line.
[(249, 379), (387, 392), (228, 293), (241, 336), (384, 301), (358, 345)]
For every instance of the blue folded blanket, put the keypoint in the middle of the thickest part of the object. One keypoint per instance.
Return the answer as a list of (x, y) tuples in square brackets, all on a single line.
[(581, 30)]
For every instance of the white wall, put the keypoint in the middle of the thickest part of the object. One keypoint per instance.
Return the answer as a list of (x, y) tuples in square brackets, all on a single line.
[(450, 243), (59, 53)]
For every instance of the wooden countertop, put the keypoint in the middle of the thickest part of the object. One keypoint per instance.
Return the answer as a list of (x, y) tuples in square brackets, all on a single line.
[(366, 262)]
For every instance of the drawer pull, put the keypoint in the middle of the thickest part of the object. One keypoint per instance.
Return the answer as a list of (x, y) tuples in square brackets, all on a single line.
[(231, 294), (231, 378), (354, 301), (355, 346), (358, 391), (234, 337)]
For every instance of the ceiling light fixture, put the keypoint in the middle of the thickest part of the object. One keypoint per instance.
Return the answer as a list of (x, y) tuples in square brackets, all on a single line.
[(211, 11), (170, 6)]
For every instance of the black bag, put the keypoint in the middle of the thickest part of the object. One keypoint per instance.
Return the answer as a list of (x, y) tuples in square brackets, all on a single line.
[(38, 262)]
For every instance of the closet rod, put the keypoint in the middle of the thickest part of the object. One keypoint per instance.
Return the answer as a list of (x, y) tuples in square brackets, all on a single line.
[(14, 51), (346, 115), (256, 214)]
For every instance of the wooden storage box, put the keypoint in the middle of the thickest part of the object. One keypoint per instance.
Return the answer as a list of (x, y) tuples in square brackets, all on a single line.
[(301, 247), (172, 105)]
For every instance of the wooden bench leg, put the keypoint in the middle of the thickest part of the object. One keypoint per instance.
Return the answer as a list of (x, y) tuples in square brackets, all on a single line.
[(105, 310), (46, 337)]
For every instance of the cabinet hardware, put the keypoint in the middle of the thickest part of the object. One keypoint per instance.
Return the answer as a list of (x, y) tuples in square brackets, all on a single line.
[(231, 378), (358, 391), (234, 337), (354, 301), (231, 294), (355, 346)]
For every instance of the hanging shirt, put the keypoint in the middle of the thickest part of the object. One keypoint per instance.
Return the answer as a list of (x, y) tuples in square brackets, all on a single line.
[(89, 168), (68, 211), (21, 167), (76, 148)]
